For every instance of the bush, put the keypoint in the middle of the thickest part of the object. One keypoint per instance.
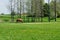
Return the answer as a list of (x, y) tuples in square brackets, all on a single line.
[(2, 13), (6, 20)]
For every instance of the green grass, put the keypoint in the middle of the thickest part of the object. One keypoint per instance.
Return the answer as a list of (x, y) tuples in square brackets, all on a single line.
[(7, 18), (28, 31)]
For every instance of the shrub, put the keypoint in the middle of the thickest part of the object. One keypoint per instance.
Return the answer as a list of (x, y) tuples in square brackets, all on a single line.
[(6, 20)]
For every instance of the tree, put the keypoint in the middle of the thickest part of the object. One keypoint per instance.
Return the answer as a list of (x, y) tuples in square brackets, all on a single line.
[(11, 8), (34, 6), (45, 9), (55, 7), (2, 13)]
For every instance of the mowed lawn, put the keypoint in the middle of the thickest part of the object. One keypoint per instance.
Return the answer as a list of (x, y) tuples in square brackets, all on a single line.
[(30, 31)]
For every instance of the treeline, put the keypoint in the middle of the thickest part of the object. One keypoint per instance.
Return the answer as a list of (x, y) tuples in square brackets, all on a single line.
[(50, 9), (34, 8)]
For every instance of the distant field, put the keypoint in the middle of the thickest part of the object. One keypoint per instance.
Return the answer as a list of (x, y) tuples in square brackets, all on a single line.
[(30, 31), (7, 18)]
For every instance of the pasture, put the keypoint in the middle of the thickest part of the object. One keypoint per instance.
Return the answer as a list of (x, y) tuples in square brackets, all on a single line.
[(7, 18), (30, 31)]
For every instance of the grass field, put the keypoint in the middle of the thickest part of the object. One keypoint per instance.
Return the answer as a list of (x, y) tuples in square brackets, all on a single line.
[(7, 18), (30, 31)]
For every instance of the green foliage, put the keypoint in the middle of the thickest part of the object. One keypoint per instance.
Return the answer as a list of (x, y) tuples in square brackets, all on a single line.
[(46, 9), (12, 13), (54, 5), (6, 20), (2, 13)]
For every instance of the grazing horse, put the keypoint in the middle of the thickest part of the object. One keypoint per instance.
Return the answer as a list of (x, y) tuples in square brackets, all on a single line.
[(19, 20)]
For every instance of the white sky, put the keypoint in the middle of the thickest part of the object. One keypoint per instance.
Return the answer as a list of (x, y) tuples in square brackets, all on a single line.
[(3, 6)]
